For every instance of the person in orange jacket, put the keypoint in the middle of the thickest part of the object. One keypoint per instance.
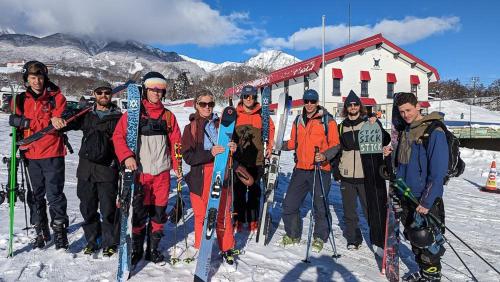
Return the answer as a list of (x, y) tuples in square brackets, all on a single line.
[(250, 154), (41, 105), (199, 151), (158, 132), (308, 132)]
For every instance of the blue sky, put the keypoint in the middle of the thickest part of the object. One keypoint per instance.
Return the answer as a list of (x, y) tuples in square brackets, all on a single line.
[(460, 38)]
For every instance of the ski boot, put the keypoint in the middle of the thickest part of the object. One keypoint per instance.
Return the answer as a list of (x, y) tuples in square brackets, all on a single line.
[(430, 274), (412, 277), (287, 241), (109, 251), (138, 246), (42, 236), (229, 255), (155, 255), (353, 246), (60, 235), (317, 245)]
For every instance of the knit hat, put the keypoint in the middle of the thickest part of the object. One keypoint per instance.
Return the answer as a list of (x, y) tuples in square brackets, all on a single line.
[(154, 80), (310, 94), (352, 98)]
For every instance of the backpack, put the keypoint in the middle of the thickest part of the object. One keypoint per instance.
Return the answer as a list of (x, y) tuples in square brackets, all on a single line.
[(456, 165), (325, 119), (96, 148)]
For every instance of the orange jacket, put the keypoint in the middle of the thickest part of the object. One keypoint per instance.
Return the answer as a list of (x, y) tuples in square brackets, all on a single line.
[(248, 136), (310, 136)]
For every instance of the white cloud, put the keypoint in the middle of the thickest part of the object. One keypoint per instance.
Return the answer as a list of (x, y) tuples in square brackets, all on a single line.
[(166, 22), (405, 31), (251, 51)]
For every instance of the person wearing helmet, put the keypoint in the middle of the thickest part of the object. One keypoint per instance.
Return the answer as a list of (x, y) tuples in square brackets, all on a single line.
[(158, 132), (314, 128), (97, 172), (39, 106), (251, 155)]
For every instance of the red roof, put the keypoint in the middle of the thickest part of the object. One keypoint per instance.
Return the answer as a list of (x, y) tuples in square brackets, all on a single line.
[(365, 100), (295, 104), (189, 103), (313, 64)]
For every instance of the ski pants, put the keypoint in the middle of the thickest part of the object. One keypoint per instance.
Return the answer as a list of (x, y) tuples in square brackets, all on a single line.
[(47, 180), (150, 202), (100, 195), (224, 227), (247, 199), (428, 262), (350, 194), (301, 183)]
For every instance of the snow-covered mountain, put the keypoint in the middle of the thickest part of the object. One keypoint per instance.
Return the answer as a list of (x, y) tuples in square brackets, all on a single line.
[(267, 60)]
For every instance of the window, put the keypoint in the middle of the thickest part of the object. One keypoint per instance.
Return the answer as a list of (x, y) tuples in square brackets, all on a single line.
[(306, 82), (414, 89), (336, 87), (390, 90), (364, 88), (286, 86)]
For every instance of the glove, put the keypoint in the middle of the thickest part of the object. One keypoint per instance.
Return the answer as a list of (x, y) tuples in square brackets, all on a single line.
[(396, 203), (19, 121)]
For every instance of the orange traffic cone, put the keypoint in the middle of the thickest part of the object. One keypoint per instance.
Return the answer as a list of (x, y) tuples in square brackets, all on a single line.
[(491, 183)]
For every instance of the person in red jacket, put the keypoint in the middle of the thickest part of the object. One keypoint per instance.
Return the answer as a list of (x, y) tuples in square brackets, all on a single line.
[(41, 105), (199, 151), (250, 154), (158, 132)]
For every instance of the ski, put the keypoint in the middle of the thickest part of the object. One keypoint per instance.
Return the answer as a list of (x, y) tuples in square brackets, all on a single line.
[(50, 128), (12, 182), (128, 186), (226, 129), (271, 179)]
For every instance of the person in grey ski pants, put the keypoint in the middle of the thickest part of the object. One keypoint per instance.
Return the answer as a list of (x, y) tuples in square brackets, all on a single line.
[(301, 183)]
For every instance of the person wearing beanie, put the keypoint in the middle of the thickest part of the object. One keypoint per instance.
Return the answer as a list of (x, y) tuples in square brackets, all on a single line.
[(355, 174), (314, 128), (98, 173), (39, 106), (251, 155), (158, 134)]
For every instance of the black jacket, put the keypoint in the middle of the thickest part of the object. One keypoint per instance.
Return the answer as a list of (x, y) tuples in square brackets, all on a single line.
[(108, 170)]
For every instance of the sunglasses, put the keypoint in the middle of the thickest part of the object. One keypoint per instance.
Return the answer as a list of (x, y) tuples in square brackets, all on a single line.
[(156, 90), (353, 105), (103, 92), (307, 101), (205, 104), (246, 96)]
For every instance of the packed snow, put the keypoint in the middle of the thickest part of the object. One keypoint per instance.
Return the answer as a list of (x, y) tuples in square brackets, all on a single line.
[(458, 111), (472, 214)]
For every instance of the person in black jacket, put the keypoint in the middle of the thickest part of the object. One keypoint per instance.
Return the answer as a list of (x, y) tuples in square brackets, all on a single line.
[(98, 173)]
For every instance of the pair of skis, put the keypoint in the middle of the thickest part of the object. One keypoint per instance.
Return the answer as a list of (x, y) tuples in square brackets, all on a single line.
[(272, 172)]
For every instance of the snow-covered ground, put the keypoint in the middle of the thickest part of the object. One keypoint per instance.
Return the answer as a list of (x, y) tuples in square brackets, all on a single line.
[(458, 111), (473, 215)]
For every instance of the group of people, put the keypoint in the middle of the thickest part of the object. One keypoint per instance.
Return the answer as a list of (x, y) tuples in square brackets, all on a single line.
[(315, 138)]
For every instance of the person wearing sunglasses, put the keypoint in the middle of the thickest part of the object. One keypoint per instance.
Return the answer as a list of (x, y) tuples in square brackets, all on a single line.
[(314, 128), (40, 105), (199, 148), (158, 134), (97, 173), (357, 180), (251, 155)]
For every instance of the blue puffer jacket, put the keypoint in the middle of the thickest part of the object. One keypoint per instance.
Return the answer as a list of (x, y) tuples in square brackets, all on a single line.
[(423, 169)]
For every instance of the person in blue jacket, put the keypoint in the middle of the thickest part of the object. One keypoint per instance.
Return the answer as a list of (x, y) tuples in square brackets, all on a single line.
[(423, 166)]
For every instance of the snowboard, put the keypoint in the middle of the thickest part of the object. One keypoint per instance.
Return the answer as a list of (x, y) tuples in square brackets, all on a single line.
[(225, 134), (128, 186), (271, 179), (371, 137)]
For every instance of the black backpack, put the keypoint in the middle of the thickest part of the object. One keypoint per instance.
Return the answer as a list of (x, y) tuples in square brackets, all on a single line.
[(456, 165), (96, 147)]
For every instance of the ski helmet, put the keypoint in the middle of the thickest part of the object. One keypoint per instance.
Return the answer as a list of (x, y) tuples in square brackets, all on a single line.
[(154, 80), (421, 232), (35, 68)]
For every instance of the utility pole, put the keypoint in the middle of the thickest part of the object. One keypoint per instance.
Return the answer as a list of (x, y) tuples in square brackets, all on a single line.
[(323, 81)]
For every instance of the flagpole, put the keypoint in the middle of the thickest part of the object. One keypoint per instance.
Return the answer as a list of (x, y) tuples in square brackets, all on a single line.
[(323, 63)]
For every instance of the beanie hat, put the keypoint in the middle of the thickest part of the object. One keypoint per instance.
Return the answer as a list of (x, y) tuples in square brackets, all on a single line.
[(310, 94), (352, 98), (154, 80)]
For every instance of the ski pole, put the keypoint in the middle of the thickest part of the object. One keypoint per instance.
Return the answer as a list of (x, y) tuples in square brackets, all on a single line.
[(23, 171), (405, 189), (327, 209), (461, 260), (311, 217)]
